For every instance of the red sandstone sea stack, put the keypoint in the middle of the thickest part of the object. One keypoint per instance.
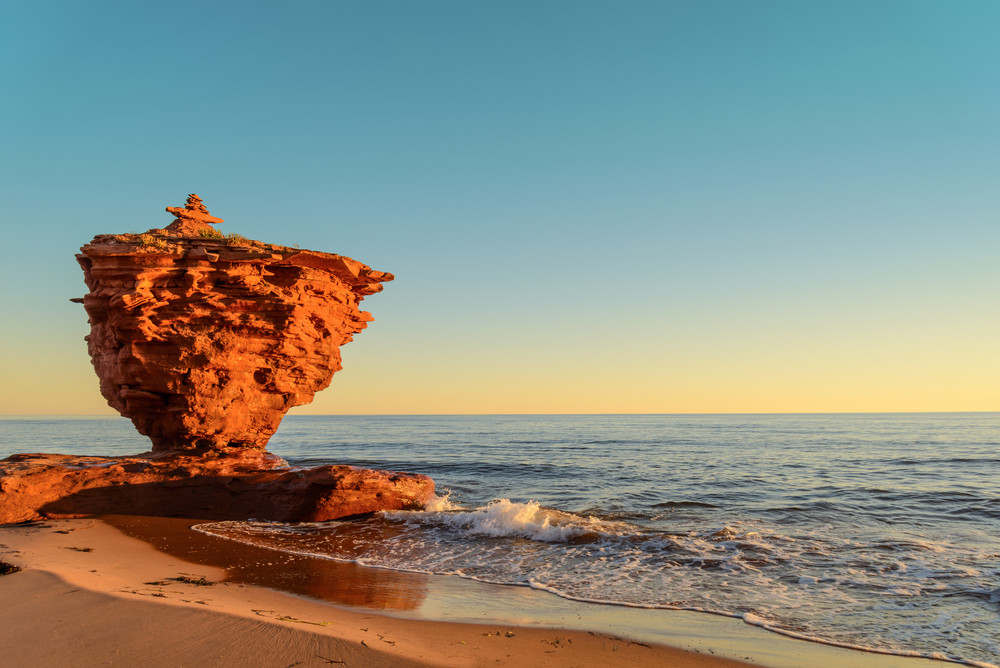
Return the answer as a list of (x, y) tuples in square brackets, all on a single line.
[(205, 341)]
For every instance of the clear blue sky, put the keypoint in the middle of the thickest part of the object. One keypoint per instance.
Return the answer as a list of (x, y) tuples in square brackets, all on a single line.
[(701, 206)]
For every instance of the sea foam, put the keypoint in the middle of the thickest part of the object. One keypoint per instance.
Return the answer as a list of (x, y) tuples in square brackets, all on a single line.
[(504, 518)]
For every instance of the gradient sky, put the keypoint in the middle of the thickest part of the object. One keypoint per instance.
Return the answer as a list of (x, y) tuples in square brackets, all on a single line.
[(590, 207)]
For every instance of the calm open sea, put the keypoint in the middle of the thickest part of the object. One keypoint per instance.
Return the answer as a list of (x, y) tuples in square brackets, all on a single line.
[(877, 531)]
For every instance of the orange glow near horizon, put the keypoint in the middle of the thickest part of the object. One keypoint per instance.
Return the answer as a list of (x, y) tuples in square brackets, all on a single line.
[(787, 372)]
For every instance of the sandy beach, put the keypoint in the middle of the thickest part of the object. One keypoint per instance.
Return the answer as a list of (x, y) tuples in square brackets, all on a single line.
[(92, 593)]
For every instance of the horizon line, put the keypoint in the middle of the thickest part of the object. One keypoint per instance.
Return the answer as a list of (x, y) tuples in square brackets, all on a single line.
[(946, 412)]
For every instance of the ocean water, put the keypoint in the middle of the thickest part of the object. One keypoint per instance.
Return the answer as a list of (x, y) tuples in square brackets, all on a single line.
[(877, 531)]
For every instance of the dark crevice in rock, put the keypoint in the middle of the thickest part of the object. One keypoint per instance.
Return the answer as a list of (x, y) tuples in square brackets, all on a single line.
[(7, 569)]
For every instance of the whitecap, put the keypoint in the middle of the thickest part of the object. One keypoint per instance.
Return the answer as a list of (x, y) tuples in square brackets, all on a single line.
[(506, 518)]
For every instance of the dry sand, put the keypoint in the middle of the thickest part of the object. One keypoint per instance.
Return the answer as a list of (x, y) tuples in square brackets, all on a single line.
[(90, 595)]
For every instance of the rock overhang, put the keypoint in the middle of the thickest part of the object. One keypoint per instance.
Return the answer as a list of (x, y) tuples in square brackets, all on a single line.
[(245, 329)]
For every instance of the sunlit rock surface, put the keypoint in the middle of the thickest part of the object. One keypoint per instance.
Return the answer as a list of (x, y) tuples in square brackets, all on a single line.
[(239, 485), (205, 340)]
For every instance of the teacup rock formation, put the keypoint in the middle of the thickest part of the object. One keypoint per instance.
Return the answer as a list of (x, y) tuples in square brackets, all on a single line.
[(205, 340)]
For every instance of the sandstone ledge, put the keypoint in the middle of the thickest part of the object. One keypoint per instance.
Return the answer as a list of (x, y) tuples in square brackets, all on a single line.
[(238, 485)]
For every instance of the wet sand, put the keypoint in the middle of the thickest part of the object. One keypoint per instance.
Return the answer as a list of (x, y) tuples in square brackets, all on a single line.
[(151, 592)]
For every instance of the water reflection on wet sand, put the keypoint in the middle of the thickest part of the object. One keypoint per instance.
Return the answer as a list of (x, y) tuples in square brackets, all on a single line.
[(334, 581)]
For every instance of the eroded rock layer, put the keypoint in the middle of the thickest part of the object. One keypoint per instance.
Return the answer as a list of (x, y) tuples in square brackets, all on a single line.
[(243, 484), (205, 341)]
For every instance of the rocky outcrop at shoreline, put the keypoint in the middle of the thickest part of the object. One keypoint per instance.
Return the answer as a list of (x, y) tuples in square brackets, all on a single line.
[(205, 341), (220, 486)]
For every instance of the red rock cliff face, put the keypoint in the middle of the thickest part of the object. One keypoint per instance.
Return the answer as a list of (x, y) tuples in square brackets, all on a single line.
[(206, 341)]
